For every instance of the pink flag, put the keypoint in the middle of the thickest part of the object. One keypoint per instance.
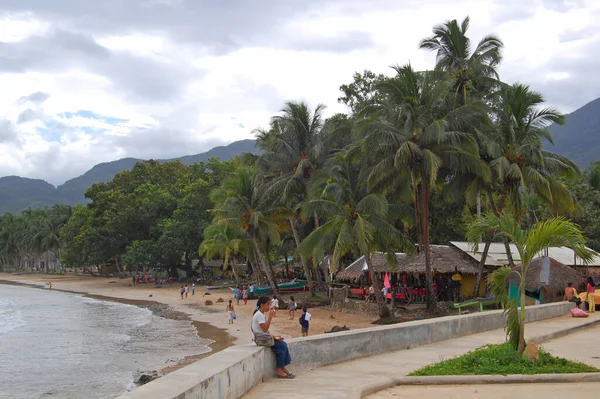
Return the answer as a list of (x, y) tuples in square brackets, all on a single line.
[(386, 281)]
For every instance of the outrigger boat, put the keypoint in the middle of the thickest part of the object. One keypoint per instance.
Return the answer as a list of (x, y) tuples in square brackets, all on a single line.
[(291, 286)]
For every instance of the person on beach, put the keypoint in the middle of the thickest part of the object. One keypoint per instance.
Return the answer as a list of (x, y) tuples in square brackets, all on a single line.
[(133, 279), (260, 325), (251, 291), (245, 295), (186, 290), (230, 311), (591, 289), (238, 295), (193, 289), (292, 308), (275, 302), (181, 291), (571, 295), (50, 285), (305, 321)]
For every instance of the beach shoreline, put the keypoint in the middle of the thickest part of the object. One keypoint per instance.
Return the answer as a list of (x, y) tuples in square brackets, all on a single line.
[(210, 321)]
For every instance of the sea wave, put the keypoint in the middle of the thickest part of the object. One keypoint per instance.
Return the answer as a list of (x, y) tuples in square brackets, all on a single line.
[(11, 318)]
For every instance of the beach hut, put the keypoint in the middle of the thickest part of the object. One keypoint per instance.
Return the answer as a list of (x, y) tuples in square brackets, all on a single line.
[(452, 269), (545, 281)]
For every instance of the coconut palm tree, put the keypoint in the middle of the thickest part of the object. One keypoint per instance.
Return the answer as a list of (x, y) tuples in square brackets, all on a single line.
[(241, 203), (355, 219), (411, 133), (554, 232), (472, 70), (225, 241), (513, 144)]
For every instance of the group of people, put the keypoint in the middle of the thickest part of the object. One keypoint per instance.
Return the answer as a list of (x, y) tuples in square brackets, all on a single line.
[(243, 293), (571, 295), (184, 289)]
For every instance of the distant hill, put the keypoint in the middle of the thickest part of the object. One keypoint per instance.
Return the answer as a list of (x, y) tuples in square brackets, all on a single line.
[(579, 138), (18, 193)]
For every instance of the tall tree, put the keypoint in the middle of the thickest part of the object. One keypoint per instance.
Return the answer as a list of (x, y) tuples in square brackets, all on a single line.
[(241, 202), (472, 70), (355, 219), (412, 133)]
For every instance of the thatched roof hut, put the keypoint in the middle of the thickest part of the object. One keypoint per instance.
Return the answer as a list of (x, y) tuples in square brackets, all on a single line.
[(548, 274), (444, 259)]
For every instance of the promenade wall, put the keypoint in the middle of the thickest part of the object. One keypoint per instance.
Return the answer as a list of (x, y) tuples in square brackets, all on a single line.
[(234, 371)]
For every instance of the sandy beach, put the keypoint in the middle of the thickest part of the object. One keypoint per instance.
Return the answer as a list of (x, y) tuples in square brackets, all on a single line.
[(210, 320)]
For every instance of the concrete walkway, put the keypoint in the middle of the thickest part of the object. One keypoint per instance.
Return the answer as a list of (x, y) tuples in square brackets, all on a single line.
[(579, 346), (349, 379)]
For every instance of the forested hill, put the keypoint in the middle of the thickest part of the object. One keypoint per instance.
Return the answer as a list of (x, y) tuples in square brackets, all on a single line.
[(18, 193), (579, 138)]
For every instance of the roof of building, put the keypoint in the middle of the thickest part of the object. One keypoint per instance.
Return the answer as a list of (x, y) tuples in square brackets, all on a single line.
[(548, 272), (444, 259), (497, 254)]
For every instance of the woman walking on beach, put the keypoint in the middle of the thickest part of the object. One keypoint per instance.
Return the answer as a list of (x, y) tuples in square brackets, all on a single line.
[(230, 311), (261, 321), (591, 289), (181, 291), (186, 290), (245, 295)]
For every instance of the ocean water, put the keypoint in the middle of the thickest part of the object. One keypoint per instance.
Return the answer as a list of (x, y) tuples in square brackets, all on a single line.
[(59, 345)]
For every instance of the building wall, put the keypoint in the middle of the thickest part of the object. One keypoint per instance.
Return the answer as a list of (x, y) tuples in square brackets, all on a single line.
[(468, 284)]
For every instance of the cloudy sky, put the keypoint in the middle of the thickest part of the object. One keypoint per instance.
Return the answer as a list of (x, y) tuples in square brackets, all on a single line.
[(89, 81)]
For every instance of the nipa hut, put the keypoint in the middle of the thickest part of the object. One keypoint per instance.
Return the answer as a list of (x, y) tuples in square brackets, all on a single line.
[(545, 281), (452, 269)]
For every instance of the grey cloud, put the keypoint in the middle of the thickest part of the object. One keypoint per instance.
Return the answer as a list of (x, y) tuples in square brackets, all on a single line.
[(218, 26), (137, 76), (345, 42), (28, 115), (8, 134), (562, 5), (36, 98)]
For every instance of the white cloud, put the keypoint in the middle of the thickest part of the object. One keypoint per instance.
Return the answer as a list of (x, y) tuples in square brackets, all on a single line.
[(168, 78)]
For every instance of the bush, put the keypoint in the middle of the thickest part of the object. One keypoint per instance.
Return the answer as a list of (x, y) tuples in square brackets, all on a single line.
[(502, 359)]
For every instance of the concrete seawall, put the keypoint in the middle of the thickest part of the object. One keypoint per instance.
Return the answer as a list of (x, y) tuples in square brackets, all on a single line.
[(234, 371)]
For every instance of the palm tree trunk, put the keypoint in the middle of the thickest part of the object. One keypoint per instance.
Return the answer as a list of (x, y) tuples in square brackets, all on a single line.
[(521, 346), (226, 264), (509, 257), (425, 228), (486, 249), (119, 267), (287, 266), (374, 278), (267, 271), (309, 279)]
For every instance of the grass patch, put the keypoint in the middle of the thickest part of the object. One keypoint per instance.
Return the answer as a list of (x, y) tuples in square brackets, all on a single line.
[(316, 298), (502, 360)]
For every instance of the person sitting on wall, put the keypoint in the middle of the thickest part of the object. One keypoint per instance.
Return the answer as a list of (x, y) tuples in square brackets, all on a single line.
[(571, 295)]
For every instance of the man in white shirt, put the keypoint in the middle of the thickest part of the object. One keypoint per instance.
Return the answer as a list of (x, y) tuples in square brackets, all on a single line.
[(274, 302)]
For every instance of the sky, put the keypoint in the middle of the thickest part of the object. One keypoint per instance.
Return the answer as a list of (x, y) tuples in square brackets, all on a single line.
[(88, 81)]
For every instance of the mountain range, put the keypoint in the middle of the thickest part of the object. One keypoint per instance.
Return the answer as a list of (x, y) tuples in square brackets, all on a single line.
[(579, 138), (18, 193)]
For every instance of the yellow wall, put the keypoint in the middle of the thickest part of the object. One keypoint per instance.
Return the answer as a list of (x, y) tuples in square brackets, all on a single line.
[(468, 283)]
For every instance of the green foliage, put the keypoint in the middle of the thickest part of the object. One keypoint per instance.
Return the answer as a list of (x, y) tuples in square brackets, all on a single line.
[(503, 360)]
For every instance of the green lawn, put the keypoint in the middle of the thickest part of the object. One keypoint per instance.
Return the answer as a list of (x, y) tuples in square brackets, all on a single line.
[(502, 360)]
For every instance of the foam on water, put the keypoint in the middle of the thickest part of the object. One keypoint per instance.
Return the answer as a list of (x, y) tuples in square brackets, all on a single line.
[(10, 317), (62, 345)]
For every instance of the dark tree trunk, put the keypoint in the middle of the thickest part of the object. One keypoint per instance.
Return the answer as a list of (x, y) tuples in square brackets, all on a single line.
[(425, 228)]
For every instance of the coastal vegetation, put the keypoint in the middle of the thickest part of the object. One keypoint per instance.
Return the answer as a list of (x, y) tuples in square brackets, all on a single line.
[(503, 360), (418, 157)]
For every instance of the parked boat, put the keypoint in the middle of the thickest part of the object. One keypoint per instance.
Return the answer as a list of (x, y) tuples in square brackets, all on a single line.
[(291, 286)]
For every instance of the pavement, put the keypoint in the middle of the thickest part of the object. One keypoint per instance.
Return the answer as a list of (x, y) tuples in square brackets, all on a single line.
[(352, 379)]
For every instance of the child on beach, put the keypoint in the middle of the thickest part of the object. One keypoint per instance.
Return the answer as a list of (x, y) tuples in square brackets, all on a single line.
[(292, 308), (238, 295), (181, 291), (193, 289), (230, 311), (305, 321), (275, 302), (186, 289), (245, 295)]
